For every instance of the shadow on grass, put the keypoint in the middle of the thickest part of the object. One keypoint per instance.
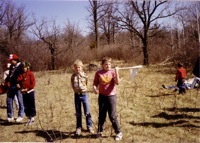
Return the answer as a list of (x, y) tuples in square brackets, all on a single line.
[(183, 109), (55, 135), (48, 135), (180, 123), (6, 123), (153, 96), (3, 107), (175, 117)]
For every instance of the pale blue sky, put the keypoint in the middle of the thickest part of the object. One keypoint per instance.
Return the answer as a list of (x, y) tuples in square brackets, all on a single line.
[(62, 10)]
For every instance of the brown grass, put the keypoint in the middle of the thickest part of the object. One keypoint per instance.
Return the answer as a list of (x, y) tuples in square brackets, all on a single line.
[(147, 113)]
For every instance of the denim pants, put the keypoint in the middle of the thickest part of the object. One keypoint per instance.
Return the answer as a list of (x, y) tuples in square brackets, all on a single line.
[(12, 91), (29, 104), (108, 104), (181, 85), (78, 100)]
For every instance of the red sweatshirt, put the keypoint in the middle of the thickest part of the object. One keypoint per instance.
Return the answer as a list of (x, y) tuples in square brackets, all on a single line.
[(180, 74), (27, 80)]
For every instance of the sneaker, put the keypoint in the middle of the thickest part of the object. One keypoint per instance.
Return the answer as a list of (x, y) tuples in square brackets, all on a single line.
[(30, 121), (187, 87), (91, 130), (118, 136), (78, 131), (19, 119), (10, 119), (99, 135)]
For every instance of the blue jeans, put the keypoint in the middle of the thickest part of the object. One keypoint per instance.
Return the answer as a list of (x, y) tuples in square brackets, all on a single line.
[(12, 91), (78, 99)]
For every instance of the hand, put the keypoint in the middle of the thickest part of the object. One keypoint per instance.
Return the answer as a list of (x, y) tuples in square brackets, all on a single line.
[(96, 91), (18, 86), (24, 90), (116, 70)]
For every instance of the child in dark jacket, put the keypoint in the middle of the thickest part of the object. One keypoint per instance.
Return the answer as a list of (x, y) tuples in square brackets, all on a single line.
[(27, 82), (14, 71)]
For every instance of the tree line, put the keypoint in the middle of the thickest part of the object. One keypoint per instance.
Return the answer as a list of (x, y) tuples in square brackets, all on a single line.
[(144, 32)]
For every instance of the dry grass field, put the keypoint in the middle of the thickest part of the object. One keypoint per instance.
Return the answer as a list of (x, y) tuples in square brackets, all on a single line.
[(147, 113)]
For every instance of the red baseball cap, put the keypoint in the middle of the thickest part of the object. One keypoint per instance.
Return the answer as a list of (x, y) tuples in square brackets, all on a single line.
[(13, 57)]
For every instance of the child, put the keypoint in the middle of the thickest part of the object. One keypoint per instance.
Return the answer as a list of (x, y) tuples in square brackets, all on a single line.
[(14, 71), (105, 80), (5, 74), (27, 82), (180, 78), (79, 84), (189, 84)]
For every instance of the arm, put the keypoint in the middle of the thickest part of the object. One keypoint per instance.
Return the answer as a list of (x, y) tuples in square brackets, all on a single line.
[(32, 82), (116, 75), (95, 84), (177, 75)]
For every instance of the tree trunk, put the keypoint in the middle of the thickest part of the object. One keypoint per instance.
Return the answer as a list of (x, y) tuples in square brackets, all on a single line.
[(52, 58), (145, 53)]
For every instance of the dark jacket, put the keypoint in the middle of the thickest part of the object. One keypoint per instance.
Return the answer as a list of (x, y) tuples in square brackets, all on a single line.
[(14, 72)]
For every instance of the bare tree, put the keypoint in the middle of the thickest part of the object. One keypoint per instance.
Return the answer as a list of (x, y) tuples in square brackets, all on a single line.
[(49, 34), (72, 44), (142, 19), (14, 23), (108, 23), (97, 11), (194, 19), (2, 11)]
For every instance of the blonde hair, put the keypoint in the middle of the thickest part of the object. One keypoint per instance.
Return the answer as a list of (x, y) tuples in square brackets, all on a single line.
[(105, 59), (78, 63)]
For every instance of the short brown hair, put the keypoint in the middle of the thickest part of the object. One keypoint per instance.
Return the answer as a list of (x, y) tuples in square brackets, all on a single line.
[(179, 64), (106, 59)]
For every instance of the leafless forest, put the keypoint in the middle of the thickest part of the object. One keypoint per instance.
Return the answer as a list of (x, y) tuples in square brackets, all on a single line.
[(143, 32), (155, 34)]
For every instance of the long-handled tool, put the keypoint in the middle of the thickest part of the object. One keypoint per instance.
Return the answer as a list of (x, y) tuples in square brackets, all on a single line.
[(134, 67)]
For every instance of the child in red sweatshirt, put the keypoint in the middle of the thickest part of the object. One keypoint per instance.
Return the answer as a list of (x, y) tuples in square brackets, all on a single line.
[(180, 77), (26, 82)]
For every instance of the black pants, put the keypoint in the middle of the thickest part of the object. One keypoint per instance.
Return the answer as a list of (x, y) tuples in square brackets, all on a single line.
[(29, 104), (108, 104), (181, 85)]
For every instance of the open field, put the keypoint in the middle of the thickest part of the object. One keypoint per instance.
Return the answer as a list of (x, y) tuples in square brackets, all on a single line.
[(147, 113)]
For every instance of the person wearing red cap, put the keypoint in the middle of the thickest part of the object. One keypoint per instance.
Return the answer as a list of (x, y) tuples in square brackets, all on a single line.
[(14, 71), (5, 74)]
